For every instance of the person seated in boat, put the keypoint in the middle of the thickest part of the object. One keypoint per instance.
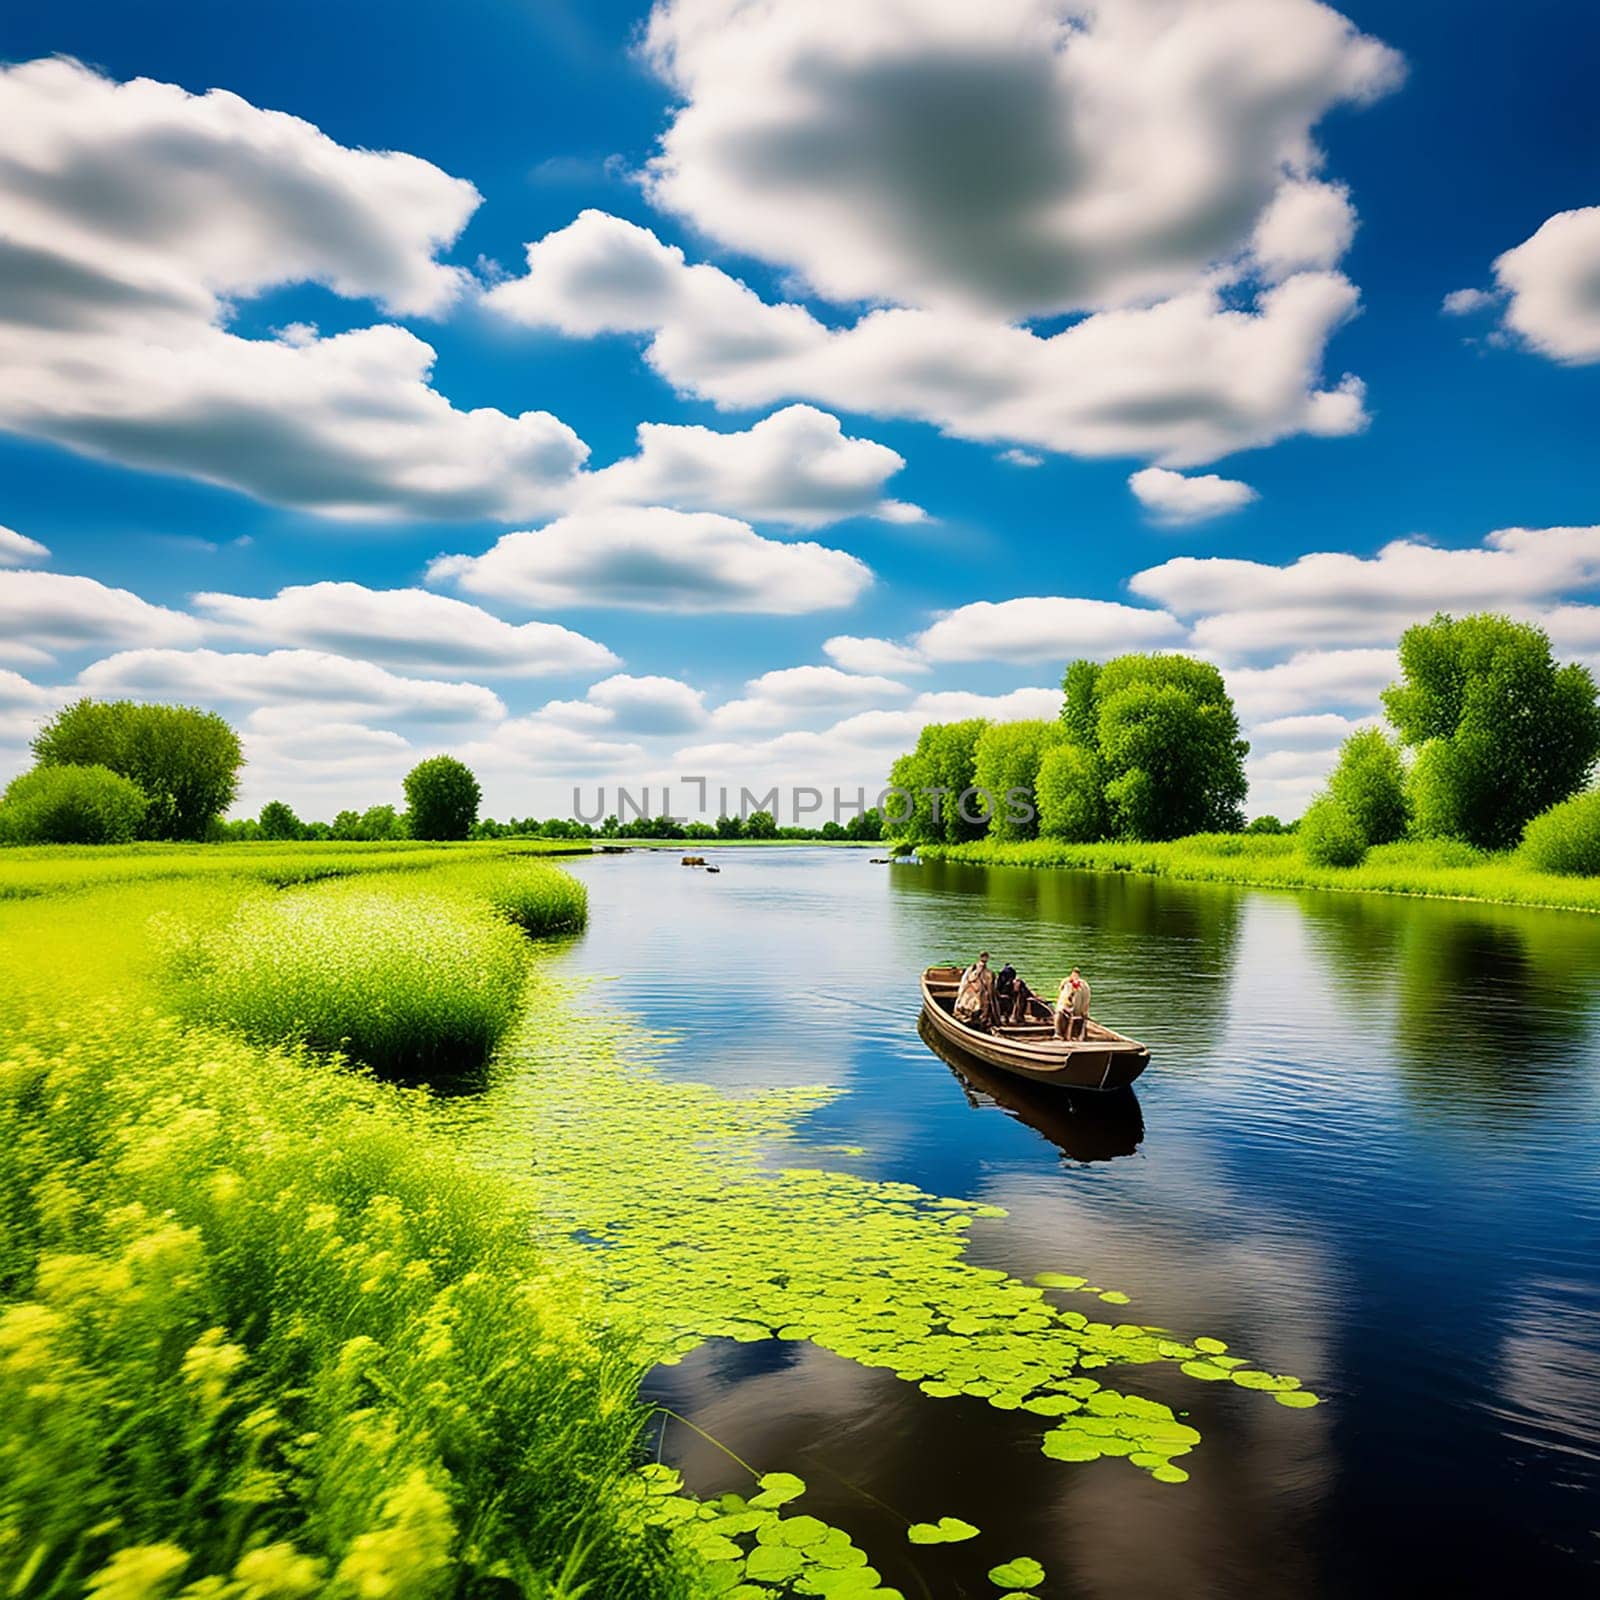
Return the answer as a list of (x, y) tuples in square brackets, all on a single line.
[(1011, 996), (1072, 1007), (975, 994)]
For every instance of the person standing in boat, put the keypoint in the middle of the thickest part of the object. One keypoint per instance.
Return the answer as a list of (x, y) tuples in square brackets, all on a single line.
[(1072, 1007), (975, 993)]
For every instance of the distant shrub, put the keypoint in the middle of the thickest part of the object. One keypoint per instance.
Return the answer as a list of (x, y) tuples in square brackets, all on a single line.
[(278, 822), (410, 984), (71, 805), (1370, 783), (1330, 836), (1566, 838), (1268, 824)]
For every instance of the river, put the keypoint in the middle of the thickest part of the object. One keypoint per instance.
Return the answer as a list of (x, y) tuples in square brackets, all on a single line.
[(1366, 1152)]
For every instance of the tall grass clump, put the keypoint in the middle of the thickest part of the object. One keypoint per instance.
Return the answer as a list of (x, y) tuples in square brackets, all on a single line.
[(264, 1337), (414, 985), (1566, 838), (539, 899), (1330, 835)]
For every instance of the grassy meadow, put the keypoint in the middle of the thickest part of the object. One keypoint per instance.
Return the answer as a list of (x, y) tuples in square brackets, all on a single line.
[(264, 1332), (1441, 869)]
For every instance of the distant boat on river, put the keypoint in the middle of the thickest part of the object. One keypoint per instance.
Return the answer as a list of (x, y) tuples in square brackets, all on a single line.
[(1103, 1060)]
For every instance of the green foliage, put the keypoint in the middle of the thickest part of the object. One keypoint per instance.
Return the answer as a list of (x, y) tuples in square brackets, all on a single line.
[(539, 899), (414, 985), (1370, 783), (728, 827), (1006, 762), (1071, 794), (185, 761), (254, 1325), (441, 798), (71, 805), (1168, 739), (1501, 732), (938, 780), (278, 822), (1566, 838), (760, 825), (865, 825), (1331, 835), (1267, 824)]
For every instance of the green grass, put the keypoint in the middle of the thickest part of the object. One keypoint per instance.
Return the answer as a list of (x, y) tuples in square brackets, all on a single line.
[(262, 1331), (55, 869), (1441, 869)]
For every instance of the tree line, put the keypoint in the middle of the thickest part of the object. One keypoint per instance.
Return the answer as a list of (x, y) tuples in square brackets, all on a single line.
[(1486, 733)]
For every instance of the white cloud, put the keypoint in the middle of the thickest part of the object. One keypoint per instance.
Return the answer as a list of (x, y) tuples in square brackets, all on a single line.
[(1021, 158), (780, 698), (1307, 227), (1553, 280), (1182, 382), (17, 550), (42, 612), (1246, 608), (655, 559), (949, 705), (1021, 458), (884, 656), (648, 705), (133, 215), (796, 466), (1044, 628), (321, 685), (1318, 731), (1311, 680), (1176, 501), (407, 628), (1465, 302)]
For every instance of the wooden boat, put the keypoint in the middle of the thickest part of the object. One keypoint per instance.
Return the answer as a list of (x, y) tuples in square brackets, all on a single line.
[(1102, 1060)]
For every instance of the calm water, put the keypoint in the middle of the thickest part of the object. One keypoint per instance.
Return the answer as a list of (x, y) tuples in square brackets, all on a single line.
[(1367, 1152)]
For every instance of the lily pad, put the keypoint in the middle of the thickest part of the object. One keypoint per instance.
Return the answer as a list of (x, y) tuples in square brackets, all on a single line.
[(1021, 1572), (947, 1530)]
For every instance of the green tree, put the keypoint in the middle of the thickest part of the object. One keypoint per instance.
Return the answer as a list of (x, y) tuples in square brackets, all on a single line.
[(1166, 738), (71, 805), (1500, 730), (866, 824), (1006, 763), (382, 822), (938, 780), (347, 825), (1072, 803), (1267, 824), (278, 821), (185, 761), (728, 827), (1370, 783), (442, 798), (761, 825), (1566, 838)]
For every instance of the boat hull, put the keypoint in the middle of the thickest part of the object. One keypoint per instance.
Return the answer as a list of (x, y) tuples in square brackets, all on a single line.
[(1099, 1064)]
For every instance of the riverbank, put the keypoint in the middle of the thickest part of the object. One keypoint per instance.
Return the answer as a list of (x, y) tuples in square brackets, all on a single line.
[(257, 1312), (1434, 870)]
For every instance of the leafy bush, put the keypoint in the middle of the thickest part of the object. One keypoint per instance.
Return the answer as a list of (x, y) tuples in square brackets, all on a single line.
[(184, 760), (1370, 783), (442, 796), (1267, 824), (1330, 836), (71, 805), (278, 822), (410, 984), (263, 1334), (1566, 838), (1071, 797)]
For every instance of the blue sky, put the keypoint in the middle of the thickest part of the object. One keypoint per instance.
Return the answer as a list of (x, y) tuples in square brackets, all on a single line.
[(1172, 286)]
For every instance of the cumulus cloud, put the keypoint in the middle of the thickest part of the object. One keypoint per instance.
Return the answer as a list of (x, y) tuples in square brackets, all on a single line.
[(134, 215), (797, 466), (884, 656), (1247, 608), (1310, 680), (1316, 731), (1022, 158), (1182, 382), (1553, 281), (1465, 302), (1045, 628), (655, 559), (407, 628), (1308, 226), (648, 705), (323, 685), (41, 612), (1176, 501), (780, 698), (17, 550)]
